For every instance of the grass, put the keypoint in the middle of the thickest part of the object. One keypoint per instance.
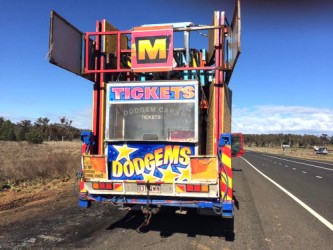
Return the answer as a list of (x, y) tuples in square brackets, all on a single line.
[(29, 164), (305, 153)]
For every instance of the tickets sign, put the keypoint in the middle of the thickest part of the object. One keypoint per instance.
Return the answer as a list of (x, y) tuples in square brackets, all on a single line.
[(150, 162), (134, 93)]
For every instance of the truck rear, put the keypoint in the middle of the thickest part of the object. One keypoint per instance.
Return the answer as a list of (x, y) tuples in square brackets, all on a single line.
[(161, 133), (152, 149)]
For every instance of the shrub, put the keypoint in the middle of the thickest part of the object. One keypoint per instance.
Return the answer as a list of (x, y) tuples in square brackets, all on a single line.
[(34, 137)]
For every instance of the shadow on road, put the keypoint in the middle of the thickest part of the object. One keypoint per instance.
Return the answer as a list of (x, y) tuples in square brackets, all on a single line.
[(168, 223)]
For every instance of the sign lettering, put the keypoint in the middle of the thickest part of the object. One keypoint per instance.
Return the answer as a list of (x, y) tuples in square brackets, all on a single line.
[(186, 92), (152, 49)]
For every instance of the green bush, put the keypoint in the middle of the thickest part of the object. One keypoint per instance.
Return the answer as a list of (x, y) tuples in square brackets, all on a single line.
[(34, 137)]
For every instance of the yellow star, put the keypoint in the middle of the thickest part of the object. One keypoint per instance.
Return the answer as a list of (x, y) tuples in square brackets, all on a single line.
[(168, 174), (185, 174), (124, 152), (150, 177)]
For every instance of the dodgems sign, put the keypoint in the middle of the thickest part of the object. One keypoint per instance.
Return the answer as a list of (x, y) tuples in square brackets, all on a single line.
[(149, 162)]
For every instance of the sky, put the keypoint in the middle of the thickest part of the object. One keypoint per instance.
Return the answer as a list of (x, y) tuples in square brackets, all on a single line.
[(282, 83)]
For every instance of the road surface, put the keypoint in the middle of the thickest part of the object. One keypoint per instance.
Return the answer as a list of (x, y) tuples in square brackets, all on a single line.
[(266, 217)]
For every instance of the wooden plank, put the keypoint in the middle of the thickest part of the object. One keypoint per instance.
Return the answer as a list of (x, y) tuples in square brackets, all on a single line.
[(111, 41), (211, 122), (227, 110)]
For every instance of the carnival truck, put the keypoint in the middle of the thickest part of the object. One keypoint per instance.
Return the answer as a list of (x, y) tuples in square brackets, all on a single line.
[(161, 114)]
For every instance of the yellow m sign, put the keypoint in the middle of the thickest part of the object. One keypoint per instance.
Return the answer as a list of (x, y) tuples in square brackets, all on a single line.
[(152, 49), (157, 50)]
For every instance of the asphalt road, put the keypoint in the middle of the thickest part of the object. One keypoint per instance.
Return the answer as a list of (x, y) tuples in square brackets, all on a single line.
[(265, 216), (300, 210), (310, 181)]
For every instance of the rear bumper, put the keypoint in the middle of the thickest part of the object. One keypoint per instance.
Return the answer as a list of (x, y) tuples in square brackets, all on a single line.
[(224, 208), (139, 189)]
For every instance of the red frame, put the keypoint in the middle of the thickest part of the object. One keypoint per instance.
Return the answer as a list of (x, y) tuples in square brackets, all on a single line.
[(99, 70)]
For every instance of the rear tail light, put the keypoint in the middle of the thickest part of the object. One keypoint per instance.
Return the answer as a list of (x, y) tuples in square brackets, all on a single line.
[(204, 188), (102, 185), (189, 188), (197, 188)]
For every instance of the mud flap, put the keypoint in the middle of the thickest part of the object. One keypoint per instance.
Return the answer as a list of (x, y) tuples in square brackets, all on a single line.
[(84, 203), (227, 209)]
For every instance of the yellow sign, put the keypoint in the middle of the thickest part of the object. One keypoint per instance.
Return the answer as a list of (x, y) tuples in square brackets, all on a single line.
[(94, 167), (152, 48)]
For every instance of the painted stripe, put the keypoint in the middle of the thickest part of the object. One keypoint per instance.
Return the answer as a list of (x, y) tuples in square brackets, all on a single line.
[(229, 181), (226, 160), (311, 165), (227, 150), (223, 186), (82, 189), (306, 207)]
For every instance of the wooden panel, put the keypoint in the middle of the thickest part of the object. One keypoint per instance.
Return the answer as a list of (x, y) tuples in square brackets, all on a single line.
[(225, 116), (227, 110), (65, 44), (211, 122), (111, 41)]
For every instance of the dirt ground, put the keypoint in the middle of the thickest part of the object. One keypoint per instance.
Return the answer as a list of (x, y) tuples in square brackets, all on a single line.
[(24, 200), (19, 206)]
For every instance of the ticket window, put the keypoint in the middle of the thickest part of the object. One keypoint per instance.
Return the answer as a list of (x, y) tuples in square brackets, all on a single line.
[(152, 121)]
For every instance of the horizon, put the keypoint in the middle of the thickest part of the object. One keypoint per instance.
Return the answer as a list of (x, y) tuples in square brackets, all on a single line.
[(282, 82)]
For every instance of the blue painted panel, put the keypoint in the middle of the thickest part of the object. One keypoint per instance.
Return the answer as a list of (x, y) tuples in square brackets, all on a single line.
[(153, 162)]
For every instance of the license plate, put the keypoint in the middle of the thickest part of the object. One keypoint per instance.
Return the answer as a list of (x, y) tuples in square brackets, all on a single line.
[(152, 189)]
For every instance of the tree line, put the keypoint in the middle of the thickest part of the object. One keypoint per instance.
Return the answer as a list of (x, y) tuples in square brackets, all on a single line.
[(39, 131), (277, 140), (42, 130)]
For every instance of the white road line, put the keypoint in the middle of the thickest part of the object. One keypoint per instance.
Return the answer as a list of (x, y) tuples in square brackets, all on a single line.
[(330, 169), (294, 168), (306, 207), (304, 172), (326, 163), (319, 177), (286, 166)]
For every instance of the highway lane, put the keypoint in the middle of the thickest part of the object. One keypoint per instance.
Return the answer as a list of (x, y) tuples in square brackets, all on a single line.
[(310, 181), (291, 210)]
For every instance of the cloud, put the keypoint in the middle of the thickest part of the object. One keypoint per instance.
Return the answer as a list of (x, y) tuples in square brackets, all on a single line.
[(282, 119)]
